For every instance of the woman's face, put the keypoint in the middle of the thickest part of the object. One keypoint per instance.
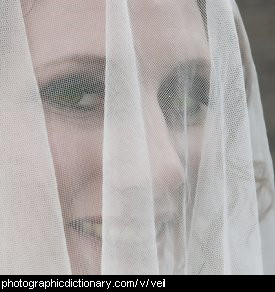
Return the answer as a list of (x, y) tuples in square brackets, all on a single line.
[(67, 43)]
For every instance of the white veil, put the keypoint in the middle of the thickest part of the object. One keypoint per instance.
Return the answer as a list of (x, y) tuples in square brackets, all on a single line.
[(132, 140)]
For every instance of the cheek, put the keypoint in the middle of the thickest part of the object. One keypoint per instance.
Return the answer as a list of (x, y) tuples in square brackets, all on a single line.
[(76, 152), (85, 255), (195, 146)]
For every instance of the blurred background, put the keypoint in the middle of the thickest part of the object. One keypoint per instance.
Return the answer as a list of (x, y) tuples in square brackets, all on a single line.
[(259, 20)]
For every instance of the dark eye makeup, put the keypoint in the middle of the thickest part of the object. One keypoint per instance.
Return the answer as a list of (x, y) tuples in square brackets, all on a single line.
[(74, 93), (183, 95), (184, 92)]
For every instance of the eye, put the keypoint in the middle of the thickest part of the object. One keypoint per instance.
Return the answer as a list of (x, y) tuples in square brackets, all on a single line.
[(183, 102), (76, 92), (87, 227), (183, 95)]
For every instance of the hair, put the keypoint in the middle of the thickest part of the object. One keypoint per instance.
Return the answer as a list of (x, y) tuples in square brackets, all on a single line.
[(264, 189)]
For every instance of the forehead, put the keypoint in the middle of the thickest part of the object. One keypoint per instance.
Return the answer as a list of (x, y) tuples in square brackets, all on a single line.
[(165, 32)]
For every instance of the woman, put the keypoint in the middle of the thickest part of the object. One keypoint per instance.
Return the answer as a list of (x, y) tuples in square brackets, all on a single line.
[(129, 139)]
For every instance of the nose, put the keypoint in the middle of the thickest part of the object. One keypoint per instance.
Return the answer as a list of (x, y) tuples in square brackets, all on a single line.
[(166, 166)]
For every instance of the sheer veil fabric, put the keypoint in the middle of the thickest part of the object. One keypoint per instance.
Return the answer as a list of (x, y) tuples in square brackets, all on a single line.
[(133, 140)]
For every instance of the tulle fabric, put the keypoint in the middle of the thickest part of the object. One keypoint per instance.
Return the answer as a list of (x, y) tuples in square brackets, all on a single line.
[(185, 181)]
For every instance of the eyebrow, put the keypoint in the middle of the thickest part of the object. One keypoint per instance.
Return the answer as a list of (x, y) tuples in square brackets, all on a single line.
[(92, 65)]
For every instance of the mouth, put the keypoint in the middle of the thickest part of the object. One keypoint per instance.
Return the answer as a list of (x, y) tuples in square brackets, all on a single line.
[(88, 227), (91, 227)]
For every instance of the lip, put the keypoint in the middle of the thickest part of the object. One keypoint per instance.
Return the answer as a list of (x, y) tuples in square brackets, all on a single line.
[(87, 227)]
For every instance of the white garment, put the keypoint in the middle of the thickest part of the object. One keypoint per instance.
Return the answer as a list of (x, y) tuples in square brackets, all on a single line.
[(132, 140)]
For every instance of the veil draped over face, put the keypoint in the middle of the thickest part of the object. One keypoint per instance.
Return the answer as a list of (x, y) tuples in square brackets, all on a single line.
[(132, 140)]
